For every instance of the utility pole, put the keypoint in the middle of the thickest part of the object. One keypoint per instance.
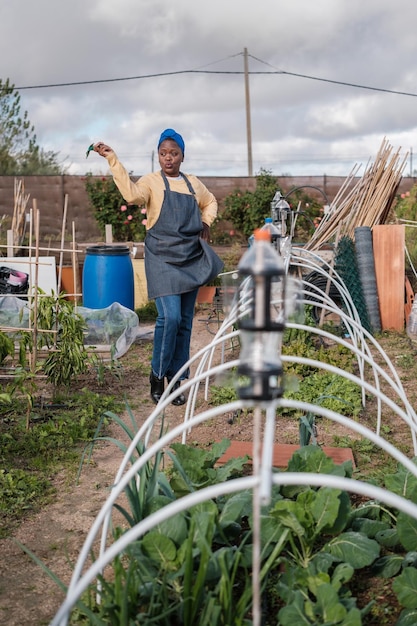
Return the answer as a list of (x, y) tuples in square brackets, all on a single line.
[(248, 125)]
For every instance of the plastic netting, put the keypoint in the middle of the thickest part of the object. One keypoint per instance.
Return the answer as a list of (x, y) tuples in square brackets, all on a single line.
[(347, 268)]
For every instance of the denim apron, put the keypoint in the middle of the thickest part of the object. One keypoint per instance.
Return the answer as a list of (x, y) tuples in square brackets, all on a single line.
[(176, 259)]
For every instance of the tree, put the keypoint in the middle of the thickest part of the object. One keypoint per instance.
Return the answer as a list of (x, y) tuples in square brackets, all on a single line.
[(19, 151), (247, 210)]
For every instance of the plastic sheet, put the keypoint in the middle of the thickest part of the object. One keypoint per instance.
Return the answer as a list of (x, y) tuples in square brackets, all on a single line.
[(115, 326), (14, 312)]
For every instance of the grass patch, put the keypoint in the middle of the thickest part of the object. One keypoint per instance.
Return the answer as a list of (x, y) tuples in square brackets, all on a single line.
[(30, 457), (147, 312)]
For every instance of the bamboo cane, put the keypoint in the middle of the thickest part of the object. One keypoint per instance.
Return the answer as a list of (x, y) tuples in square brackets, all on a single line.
[(30, 290), (61, 254), (43, 249), (75, 265), (19, 212), (369, 201), (35, 290), (20, 328)]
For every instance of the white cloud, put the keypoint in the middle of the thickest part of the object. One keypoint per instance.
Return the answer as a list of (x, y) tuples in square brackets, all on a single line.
[(299, 124)]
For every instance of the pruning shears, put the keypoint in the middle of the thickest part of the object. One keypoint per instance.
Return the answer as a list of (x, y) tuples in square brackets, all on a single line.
[(90, 148)]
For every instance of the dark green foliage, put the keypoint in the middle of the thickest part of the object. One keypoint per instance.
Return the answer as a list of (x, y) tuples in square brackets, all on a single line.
[(20, 154), (148, 312), (247, 210), (6, 346), (29, 457), (317, 386), (194, 468), (69, 358), (19, 491), (110, 208), (308, 210), (330, 391), (196, 567)]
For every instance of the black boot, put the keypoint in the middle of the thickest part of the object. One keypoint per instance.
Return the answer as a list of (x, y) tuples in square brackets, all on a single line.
[(178, 400), (157, 387)]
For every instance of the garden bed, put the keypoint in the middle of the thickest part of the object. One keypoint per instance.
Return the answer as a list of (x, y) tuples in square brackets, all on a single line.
[(56, 531)]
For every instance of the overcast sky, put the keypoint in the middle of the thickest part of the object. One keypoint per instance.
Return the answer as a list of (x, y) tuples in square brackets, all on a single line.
[(303, 121)]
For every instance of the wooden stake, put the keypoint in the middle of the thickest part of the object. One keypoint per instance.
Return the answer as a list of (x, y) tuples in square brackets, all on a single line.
[(109, 233), (61, 255), (75, 265), (35, 288), (10, 247)]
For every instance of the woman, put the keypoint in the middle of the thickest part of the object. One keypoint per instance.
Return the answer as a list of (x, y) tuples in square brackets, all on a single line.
[(178, 258)]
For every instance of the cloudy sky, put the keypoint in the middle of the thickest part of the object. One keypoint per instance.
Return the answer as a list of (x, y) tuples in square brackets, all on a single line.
[(324, 80)]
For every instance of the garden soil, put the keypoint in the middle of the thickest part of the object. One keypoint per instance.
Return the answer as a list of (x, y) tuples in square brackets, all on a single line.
[(56, 532)]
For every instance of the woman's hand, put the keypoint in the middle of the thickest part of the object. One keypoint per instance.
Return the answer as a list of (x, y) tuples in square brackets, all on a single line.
[(102, 149)]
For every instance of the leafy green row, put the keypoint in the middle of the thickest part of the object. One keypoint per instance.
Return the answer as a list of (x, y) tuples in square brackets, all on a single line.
[(196, 568)]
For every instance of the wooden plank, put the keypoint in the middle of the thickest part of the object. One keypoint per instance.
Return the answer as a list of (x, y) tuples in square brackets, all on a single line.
[(409, 298), (283, 453), (140, 284), (389, 246)]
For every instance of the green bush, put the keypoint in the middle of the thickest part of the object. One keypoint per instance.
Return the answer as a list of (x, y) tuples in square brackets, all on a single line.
[(247, 210), (127, 220)]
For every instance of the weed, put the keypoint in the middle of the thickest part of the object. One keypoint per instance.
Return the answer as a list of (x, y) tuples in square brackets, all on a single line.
[(30, 457), (222, 395), (406, 361), (148, 312)]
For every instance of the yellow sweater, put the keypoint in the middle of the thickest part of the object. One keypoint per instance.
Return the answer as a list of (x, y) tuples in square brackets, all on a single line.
[(149, 191)]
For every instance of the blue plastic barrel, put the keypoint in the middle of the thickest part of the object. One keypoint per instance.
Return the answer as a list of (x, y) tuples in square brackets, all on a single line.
[(108, 277)]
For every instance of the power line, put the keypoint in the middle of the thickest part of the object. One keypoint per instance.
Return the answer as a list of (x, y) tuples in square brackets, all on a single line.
[(357, 86), (218, 72)]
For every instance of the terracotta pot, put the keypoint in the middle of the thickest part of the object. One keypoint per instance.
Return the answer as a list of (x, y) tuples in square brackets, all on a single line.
[(206, 294), (67, 281)]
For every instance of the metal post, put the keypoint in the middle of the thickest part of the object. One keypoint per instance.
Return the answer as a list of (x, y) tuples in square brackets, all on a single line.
[(248, 124)]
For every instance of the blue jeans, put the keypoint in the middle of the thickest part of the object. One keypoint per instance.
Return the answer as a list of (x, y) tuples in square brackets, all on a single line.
[(172, 336)]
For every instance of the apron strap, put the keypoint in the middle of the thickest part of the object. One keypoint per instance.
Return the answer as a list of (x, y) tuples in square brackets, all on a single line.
[(189, 185)]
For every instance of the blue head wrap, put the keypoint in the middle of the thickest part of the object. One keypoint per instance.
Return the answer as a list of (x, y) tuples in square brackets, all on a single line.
[(170, 133)]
